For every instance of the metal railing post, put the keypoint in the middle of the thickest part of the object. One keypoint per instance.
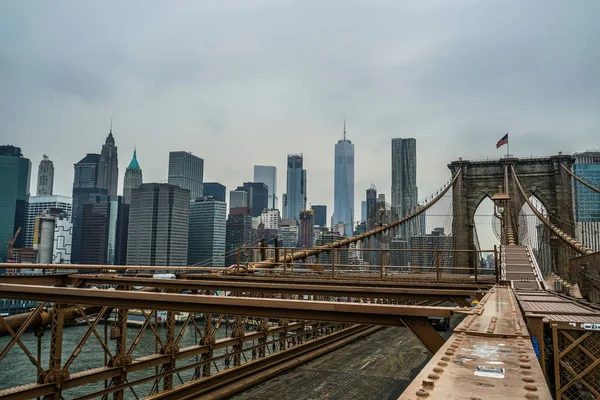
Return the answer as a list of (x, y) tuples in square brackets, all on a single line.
[(496, 266), (438, 272), (276, 250), (263, 249), (332, 262), (381, 270), (381, 259), (284, 262), (475, 263)]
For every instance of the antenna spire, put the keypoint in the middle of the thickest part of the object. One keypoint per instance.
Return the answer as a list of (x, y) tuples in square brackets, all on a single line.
[(110, 125), (344, 129)]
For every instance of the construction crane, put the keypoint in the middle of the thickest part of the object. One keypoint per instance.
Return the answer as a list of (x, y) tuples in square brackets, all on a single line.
[(11, 243)]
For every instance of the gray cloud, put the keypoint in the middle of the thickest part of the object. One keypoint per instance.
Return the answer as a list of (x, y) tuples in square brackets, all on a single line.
[(247, 82)]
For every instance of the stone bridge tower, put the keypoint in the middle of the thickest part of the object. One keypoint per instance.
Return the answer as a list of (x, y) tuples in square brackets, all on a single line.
[(541, 177)]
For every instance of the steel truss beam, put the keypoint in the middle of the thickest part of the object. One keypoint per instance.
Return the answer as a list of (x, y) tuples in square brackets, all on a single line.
[(370, 314), (417, 294), (370, 282)]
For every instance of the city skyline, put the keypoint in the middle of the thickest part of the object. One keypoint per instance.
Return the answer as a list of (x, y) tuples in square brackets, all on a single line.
[(431, 77)]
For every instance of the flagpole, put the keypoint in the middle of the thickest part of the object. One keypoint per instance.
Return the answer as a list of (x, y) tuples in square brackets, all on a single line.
[(507, 146)]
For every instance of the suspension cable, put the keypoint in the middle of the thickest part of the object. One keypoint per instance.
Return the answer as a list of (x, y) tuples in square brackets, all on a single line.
[(595, 189), (577, 246), (301, 255)]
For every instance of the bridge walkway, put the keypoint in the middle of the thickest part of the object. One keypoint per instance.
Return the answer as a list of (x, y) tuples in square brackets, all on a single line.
[(489, 356)]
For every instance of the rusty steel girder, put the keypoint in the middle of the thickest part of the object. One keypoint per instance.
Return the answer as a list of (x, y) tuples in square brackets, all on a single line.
[(371, 314), (417, 294)]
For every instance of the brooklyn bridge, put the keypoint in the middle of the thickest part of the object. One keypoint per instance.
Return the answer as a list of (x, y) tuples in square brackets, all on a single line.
[(519, 320)]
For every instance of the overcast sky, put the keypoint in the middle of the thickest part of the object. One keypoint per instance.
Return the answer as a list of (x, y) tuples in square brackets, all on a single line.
[(245, 82)]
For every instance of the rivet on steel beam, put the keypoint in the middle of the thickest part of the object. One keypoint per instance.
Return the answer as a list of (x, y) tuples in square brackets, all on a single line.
[(525, 366), (422, 393), (530, 386), (522, 351), (526, 372), (446, 358), (524, 358), (449, 353), (442, 363), (433, 376), (528, 379), (438, 369), (532, 396)]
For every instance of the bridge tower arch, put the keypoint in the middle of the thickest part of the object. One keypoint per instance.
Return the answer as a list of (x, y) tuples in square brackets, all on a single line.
[(542, 177)]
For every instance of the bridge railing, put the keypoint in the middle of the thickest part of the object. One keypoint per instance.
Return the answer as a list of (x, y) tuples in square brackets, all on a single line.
[(151, 343), (377, 263)]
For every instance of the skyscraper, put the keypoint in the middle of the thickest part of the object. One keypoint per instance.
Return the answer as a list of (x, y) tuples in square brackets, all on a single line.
[(158, 225), (214, 189), (108, 166), (45, 181), (306, 237), (239, 202), (404, 183), (320, 215), (296, 187), (238, 232), (371, 206), (206, 240), (586, 202), (186, 171), (14, 195), (95, 219), (343, 206), (104, 230), (288, 233), (363, 210), (258, 195), (268, 176), (271, 219), (85, 184), (133, 178)]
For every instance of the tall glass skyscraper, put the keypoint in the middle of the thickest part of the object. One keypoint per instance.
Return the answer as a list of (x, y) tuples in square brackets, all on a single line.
[(206, 240), (585, 201), (14, 195), (320, 215), (214, 189), (186, 171), (343, 200), (268, 176), (404, 183), (85, 187), (295, 196), (258, 196)]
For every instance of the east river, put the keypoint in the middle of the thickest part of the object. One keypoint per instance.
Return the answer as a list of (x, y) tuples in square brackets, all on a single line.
[(17, 369)]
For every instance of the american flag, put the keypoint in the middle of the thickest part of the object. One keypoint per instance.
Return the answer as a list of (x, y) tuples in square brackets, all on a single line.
[(502, 141)]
